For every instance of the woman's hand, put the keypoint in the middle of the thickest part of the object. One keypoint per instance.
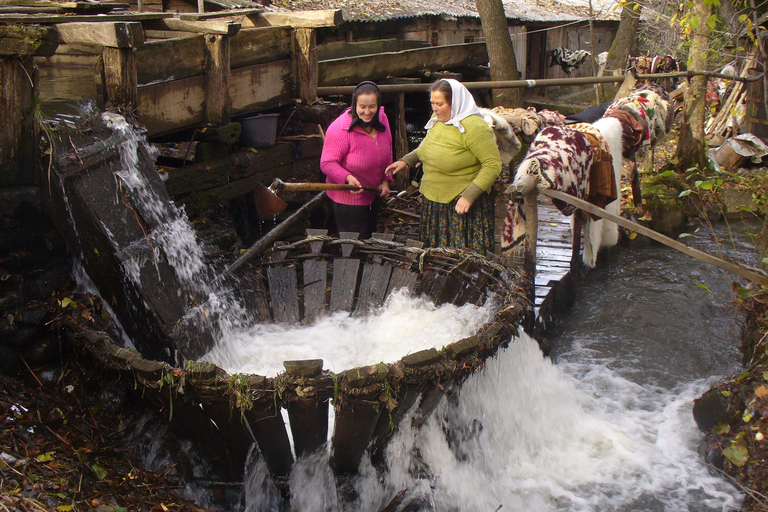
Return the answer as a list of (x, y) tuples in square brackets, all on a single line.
[(384, 189), (395, 167), (351, 180), (462, 205)]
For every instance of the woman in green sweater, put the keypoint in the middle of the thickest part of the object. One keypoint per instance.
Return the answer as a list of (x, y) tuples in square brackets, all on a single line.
[(461, 161)]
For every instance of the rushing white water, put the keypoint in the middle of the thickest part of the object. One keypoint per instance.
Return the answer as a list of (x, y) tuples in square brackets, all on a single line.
[(172, 232), (529, 435), (401, 326)]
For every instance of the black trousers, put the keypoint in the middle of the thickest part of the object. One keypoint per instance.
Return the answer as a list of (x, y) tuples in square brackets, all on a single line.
[(357, 219)]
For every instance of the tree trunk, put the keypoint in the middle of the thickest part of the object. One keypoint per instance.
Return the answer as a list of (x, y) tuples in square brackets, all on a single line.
[(500, 52), (691, 149), (621, 47)]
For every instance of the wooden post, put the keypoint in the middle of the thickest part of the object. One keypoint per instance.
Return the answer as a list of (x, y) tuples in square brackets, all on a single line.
[(120, 76), (217, 101), (200, 6), (578, 222), (19, 137), (531, 214), (524, 190), (403, 178), (305, 61)]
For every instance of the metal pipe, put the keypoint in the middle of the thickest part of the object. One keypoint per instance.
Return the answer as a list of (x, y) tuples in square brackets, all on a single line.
[(342, 90)]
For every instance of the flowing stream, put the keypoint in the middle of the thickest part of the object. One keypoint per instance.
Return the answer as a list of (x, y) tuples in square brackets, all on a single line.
[(603, 424)]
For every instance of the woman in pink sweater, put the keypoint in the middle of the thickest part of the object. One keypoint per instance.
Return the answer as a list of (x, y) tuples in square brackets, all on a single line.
[(357, 149)]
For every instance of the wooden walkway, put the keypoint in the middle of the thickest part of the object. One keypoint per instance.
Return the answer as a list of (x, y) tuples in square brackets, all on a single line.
[(553, 260)]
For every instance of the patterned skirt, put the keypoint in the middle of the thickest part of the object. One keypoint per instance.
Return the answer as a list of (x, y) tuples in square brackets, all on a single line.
[(441, 226)]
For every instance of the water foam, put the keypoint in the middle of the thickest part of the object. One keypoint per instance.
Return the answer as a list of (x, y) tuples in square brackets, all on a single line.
[(401, 326), (528, 435)]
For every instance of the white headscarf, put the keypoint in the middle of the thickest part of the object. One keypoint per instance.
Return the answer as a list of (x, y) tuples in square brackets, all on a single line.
[(462, 105)]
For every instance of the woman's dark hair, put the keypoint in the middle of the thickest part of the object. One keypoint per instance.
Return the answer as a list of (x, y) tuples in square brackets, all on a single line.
[(444, 87), (366, 88)]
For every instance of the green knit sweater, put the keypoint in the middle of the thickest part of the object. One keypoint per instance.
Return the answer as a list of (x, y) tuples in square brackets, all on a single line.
[(457, 163)]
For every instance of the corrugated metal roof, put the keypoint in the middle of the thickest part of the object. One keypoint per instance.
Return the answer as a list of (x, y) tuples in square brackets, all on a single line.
[(524, 10)]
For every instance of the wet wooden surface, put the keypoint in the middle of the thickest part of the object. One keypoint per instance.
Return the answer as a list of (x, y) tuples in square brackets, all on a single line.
[(553, 258)]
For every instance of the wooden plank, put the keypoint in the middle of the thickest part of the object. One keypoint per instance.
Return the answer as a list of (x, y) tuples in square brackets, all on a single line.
[(309, 424), (344, 286), (68, 61), (373, 287), (217, 104), (120, 76), (44, 19), (116, 34), (167, 34), (175, 59), (315, 281), (284, 294), (79, 49), (233, 13), (304, 19), (343, 50), (260, 86), (374, 67), (429, 284), (355, 423), (30, 41), (171, 106), (259, 45), (226, 28)]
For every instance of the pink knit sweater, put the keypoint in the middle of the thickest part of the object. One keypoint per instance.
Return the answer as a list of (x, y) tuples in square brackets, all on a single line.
[(358, 153)]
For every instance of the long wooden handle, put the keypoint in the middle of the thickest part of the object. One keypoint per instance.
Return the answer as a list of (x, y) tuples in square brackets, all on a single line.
[(313, 187)]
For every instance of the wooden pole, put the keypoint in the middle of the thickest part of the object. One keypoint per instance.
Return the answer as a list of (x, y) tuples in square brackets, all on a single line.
[(340, 90), (621, 221), (264, 242), (19, 139), (531, 213), (403, 178), (305, 59), (201, 6), (217, 101)]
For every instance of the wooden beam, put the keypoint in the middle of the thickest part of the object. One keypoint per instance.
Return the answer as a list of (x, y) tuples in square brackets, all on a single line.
[(234, 13), (258, 87), (28, 40), (305, 19), (120, 76), (353, 70), (340, 50), (172, 106), (226, 28), (306, 65), (260, 45), (217, 103), (118, 34), (44, 19), (173, 59)]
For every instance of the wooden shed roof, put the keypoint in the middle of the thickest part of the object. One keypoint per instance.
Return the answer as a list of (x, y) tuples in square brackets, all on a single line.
[(523, 10)]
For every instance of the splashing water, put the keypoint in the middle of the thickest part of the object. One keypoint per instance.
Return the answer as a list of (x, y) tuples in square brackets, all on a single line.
[(526, 435), (401, 326), (171, 230)]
